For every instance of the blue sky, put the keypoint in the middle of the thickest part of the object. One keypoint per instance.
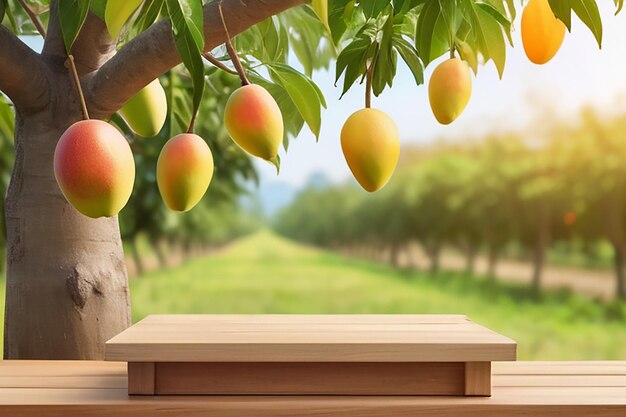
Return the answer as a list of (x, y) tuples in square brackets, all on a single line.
[(579, 75)]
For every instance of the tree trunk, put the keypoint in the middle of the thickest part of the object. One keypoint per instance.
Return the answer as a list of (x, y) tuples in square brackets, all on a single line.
[(434, 254), (470, 261), (67, 285), (492, 263), (620, 272), (158, 249), (137, 259), (538, 260), (394, 255)]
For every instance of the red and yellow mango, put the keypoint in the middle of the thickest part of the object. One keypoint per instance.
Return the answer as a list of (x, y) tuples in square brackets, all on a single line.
[(184, 171), (94, 167), (253, 120), (449, 90)]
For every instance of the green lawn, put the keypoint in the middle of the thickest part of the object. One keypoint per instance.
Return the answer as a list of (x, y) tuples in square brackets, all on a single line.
[(266, 274)]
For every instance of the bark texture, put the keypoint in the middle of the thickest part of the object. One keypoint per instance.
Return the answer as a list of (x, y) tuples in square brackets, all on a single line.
[(67, 284)]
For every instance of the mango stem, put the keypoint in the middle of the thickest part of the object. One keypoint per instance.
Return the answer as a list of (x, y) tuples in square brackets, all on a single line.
[(79, 89), (231, 50)]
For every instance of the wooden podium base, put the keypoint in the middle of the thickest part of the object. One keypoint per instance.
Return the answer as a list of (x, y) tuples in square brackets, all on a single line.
[(309, 355)]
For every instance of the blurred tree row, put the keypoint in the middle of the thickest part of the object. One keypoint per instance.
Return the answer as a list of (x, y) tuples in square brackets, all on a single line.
[(485, 196)]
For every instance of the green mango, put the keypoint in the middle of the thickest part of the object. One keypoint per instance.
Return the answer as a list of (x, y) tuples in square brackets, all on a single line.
[(145, 113), (117, 13)]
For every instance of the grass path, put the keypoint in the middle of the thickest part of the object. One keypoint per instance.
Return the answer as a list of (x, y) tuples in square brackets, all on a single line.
[(266, 274)]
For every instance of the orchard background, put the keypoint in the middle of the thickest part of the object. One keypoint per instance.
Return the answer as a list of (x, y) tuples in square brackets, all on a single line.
[(551, 192)]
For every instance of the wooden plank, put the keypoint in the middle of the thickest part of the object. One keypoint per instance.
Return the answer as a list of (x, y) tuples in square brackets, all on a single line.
[(141, 378), (318, 338), (574, 367), (81, 403), (48, 374), (478, 378), (287, 378), (561, 399)]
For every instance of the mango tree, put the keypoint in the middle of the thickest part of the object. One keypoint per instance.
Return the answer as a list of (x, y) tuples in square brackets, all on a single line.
[(67, 288)]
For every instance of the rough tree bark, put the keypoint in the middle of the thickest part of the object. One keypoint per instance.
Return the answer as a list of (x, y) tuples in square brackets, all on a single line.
[(67, 285)]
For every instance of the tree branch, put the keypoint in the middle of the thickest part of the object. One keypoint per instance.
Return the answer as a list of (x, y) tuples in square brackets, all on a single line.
[(22, 73), (153, 52), (33, 17)]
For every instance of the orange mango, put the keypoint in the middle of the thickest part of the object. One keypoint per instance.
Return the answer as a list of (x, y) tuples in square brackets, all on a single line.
[(542, 32)]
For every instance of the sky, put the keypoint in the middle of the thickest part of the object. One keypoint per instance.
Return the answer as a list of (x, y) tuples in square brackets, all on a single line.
[(580, 75)]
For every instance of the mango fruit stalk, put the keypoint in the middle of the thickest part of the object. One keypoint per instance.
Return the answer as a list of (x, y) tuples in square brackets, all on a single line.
[(370, 144), (253, 120), (145, 113), (117, 13), (94, 167), (449, 90), (542, 31), (184, 171)]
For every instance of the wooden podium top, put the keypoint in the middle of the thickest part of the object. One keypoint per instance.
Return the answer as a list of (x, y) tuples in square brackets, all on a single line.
[(309, 338)]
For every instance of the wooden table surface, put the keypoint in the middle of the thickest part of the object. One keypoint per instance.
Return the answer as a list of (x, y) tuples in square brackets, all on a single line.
[(98, 389), (309, 338)]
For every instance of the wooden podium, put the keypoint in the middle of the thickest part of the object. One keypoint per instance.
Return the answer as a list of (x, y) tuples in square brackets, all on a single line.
[(309, 355)]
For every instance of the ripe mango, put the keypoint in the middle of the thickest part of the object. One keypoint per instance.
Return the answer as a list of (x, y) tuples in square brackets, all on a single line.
[(370, 144), (253, 120), (542, 32), (94, 167), (184, 171), (449, 90), (117, 13), (145, 113)]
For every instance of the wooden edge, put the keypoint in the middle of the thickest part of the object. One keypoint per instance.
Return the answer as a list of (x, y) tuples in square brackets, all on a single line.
[(141, 378), (478, 379)]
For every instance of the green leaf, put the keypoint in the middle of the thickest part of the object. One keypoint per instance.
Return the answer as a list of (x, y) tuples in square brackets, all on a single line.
[(3, 8), (409, 54), (188, 14), (490, 38), (301, 90), (188, 47), (384, 68), (72, 15), (587, 11), (147, 16), (373, 8), (563, 10), (276, 162), (354, 54), (320, 7), (339, 13), (500, 18), (7, 119), (432, 36), (468, 54), (98, 7)]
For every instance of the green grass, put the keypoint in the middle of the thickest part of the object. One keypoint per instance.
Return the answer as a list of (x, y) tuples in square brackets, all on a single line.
[(266, 274)]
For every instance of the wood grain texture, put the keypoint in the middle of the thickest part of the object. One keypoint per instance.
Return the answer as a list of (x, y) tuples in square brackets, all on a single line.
[(558, 399), (478, 378), (309, 338), (141, 378), (317, 378)]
